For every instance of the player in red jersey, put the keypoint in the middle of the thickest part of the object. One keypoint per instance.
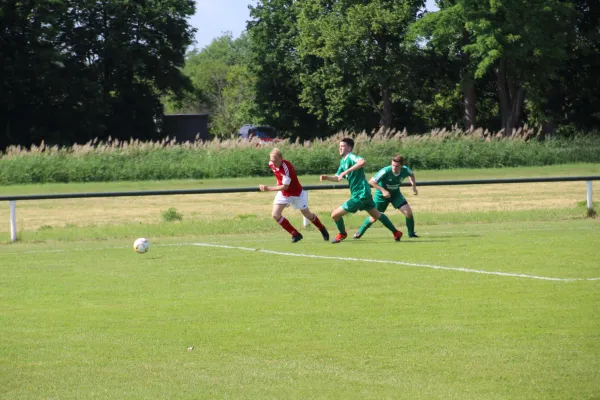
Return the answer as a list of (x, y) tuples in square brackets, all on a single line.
[(289, 191)]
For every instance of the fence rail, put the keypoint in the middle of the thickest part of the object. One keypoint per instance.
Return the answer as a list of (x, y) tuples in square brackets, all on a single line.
[(12, 199)]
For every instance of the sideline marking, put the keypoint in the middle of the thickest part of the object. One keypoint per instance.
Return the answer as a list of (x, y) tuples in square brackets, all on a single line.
[(280, 253), (368, 260)]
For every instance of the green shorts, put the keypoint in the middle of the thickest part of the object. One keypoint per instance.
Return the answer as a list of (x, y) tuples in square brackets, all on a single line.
[(397, 200), (355, 204)]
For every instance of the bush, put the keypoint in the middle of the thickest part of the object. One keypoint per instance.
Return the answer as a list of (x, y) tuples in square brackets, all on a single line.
[(135, 160), (171, 215)]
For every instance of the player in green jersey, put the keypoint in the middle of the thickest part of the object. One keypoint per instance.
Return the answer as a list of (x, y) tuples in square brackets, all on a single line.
[(352, 168), (387, 184)]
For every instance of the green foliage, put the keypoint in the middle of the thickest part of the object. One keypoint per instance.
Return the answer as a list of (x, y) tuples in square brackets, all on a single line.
[(223, 85), (77, 70), (363, 65), (136, 161), (524, 43), (171, 215)]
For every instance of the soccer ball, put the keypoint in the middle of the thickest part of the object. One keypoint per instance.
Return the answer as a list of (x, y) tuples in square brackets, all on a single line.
[(141, 245)]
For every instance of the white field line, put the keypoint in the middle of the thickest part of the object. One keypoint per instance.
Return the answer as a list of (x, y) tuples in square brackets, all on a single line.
[(368, 260), (365, 260), (62, 250)]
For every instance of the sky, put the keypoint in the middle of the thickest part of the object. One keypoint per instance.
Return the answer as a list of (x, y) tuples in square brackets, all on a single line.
[(215, 17)]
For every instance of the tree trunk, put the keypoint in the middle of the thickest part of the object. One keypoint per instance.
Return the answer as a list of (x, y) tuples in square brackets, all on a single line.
[(105, 58), (386, 114), (511, 96), (468, 85), (469, 97)]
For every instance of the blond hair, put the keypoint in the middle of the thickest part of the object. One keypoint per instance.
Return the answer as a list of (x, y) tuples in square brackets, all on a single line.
[(277, 152)]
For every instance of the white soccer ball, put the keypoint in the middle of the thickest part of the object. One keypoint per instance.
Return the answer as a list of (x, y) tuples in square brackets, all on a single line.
[(141, 245)]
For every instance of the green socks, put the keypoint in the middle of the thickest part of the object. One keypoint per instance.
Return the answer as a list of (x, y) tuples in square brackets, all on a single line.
[(365, 225), (387, 223), (410, 225), (340, 225)]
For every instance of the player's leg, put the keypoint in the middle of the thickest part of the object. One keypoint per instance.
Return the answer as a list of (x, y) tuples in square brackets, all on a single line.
[(312, 217), (373, 212), (338, 217), (301, 203), (410, 219), (279, 204), (381, 207)]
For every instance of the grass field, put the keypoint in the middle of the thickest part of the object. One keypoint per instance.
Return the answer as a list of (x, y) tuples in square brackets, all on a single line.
[(498, 299), (105, 218)]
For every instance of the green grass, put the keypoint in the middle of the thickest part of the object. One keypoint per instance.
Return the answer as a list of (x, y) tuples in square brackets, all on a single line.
[(92, 319), (425, 175), (244, 223), (137, 161), (83, 316)]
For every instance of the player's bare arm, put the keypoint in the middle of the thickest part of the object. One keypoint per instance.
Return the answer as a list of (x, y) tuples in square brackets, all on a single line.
[(375, 185), (413, 182), (329, 178), (265, 188), (359, 164)]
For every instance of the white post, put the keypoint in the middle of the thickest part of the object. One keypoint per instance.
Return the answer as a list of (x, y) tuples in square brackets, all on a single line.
[(13, 220), (591, 213), (305, 221)]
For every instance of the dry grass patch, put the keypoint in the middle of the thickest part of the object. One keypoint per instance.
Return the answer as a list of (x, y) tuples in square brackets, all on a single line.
[(31, 215)]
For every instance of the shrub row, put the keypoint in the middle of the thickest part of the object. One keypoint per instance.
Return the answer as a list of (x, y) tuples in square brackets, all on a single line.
[(133, 161)]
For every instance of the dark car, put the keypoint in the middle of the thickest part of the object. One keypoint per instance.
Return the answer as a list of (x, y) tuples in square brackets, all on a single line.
[(265, 133)]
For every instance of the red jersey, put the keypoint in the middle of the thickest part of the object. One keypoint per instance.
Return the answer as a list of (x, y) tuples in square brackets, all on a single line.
[(286, 175)]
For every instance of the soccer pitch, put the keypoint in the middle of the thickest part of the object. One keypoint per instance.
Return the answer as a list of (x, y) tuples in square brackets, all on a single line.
[(467, 311)]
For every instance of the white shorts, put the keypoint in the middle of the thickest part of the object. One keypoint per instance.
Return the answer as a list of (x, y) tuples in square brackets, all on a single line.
[(297, 202)]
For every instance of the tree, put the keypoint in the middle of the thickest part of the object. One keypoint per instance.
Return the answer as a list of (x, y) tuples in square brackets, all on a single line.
[(31, 85), (275, 63), (522, 42), (223, 84), (445, 36), (573, 97), (90, 68), (361, 47)]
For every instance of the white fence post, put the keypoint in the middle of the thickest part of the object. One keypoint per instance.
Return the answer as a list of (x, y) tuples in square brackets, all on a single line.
[(13, 220)]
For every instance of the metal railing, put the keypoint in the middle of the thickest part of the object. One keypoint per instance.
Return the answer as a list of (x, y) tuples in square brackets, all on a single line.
[(12, 199)]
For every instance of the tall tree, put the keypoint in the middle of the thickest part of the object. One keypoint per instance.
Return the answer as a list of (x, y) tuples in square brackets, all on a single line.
[(95, 68), (223, 84), (524, 43), (573, 98), (363, 59), (275, 62), (445, 35), (32, 85)]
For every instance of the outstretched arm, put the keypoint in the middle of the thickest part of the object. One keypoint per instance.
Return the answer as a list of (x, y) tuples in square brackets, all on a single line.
[(329, 178), (265, 188), (359, 164)]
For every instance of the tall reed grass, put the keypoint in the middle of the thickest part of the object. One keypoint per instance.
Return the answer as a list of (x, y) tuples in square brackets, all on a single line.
[(134, 160)]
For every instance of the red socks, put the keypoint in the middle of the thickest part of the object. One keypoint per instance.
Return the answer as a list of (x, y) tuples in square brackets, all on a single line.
[(317, 222), (285, 224)]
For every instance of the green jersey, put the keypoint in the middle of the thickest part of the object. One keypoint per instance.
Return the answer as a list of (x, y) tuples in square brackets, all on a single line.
[(359, 187), (390, 181)]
